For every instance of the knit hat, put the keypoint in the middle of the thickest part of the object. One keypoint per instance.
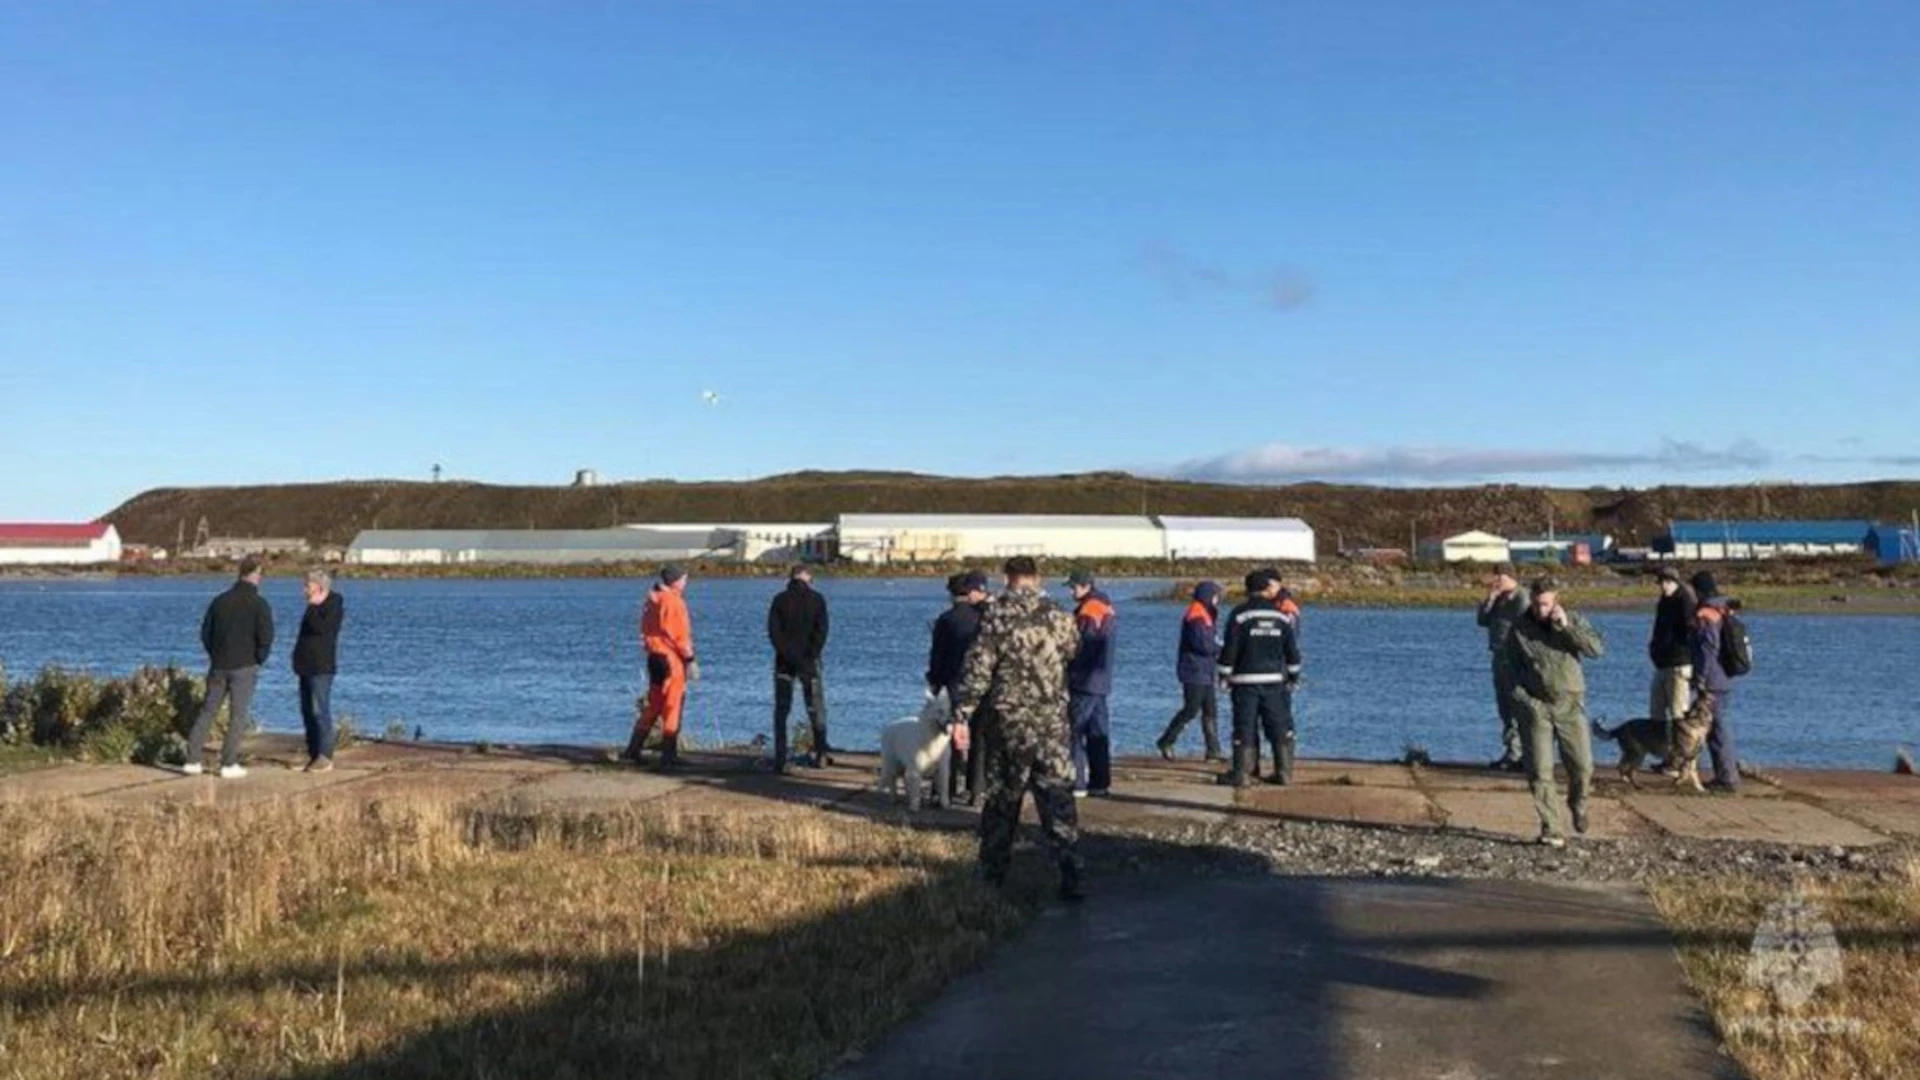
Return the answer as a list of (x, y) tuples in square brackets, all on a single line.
[(670, 574), (1704, 586)]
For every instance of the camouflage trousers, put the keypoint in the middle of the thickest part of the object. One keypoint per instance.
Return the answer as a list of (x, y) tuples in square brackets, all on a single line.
[(1017, 765)]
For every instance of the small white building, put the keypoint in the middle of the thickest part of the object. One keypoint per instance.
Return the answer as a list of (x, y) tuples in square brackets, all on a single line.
[(23, 544), (1273, 539), (909, 538), (1474, 547)]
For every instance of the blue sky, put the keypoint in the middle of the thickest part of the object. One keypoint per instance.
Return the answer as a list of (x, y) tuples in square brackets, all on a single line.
[(1395, 242)]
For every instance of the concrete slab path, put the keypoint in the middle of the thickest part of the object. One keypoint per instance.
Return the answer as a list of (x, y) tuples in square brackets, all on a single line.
[(1262, 977)]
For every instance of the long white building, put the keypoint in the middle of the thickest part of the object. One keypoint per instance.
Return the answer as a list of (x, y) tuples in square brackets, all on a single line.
[(1278, 539), (907, 538), (403, 547), (24, 544)]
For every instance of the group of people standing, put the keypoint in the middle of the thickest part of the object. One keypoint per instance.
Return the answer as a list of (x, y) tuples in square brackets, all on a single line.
[(1537, 646), (237, 634)]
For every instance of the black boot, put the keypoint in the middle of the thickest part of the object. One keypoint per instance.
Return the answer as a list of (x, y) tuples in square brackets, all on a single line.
[(1283, 760), (1073, 888), (1165, 746), (669, 753), (1242, 770)]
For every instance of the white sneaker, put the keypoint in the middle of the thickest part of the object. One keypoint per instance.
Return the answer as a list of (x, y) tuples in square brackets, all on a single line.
[(232, 772), (1079, 793), (192, 768)]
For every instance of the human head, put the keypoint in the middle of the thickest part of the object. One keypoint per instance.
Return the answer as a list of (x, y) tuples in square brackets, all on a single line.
[(1262, 583), (1504, 578), (318, 584), (1669, 580), (973, 586), (250, 570), (673, 578), (1021, 570), (801, 572), (1080, 583), (1546, 595), (1208, 593), (1704, 586)]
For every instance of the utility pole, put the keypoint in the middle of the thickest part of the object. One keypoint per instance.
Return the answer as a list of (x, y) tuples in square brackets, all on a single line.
[(436, 473)]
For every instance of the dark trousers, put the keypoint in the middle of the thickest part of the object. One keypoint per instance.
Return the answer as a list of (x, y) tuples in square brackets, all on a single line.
[(1257, 708), (814, 690), (1201, 700), (235, 688), (316, 714), (1726, 767), (969, 770), (1092, 742)]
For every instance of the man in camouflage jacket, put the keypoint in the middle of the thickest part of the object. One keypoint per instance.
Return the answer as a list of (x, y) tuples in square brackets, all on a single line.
[(1018, 666), (1544, 652)]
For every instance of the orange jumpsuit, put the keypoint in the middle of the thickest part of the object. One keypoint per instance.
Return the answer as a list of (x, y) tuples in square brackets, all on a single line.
[(666, 635)]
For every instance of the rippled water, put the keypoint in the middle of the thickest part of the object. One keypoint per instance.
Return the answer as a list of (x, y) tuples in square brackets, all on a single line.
[(556, 661)]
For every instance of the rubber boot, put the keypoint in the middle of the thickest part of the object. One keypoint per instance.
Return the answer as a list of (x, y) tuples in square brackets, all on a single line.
[(1244, 765), (1283, 760), (1073, 889), (670, 752)]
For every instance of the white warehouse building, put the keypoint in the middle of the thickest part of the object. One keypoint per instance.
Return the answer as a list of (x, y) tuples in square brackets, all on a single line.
[(406, 547), (1277, 539), (58, 545), (768, 542), (909, 538)]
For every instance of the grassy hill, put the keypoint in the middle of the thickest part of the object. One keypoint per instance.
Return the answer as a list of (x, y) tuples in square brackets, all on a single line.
[(1342, 514)]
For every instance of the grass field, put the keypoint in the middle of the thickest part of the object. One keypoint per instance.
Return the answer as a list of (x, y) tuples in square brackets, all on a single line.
[(1859, 1026), (426, 939)]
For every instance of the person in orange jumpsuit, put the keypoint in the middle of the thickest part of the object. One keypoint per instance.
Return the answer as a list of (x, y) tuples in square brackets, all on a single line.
[(666, 635)]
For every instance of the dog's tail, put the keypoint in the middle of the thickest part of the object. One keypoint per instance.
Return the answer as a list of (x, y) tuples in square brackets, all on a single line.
[(1602, 731)]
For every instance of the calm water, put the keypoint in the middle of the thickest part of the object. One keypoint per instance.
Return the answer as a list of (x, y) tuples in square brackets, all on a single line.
[(555, 661)]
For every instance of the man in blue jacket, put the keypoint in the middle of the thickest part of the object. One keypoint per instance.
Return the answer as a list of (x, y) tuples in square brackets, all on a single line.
[(1089, 681), (953, 634), (1712, 686), (1194, 664), (1261, 665)]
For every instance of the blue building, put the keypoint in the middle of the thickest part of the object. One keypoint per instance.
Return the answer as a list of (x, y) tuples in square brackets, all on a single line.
[(1713, 540), (1894, 544)]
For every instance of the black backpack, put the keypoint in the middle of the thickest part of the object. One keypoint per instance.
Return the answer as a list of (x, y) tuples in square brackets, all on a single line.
[(1736, 648)]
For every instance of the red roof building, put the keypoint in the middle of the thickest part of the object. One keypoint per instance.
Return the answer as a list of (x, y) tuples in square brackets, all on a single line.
[(44, 543)]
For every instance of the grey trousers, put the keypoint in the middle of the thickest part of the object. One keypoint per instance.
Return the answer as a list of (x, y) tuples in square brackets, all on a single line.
[(236, 689)]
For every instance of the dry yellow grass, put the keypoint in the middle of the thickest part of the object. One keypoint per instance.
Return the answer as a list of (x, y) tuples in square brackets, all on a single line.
[(1860, 1026), (430, 939)]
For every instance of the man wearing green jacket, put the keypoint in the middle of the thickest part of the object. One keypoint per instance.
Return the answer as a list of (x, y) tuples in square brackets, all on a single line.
[(1506, 602), (1544, 652)]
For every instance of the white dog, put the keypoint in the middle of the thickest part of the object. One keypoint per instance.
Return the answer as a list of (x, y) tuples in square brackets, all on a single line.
[(912, 748)]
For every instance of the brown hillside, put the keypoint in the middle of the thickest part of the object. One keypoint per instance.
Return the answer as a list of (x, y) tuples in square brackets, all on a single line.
[(1349, 515)]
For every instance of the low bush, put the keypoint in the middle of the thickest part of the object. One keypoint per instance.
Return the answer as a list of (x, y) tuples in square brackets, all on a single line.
[(143, 717)]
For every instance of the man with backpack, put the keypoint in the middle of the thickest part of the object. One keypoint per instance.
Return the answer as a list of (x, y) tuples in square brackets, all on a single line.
[(1721, 653)]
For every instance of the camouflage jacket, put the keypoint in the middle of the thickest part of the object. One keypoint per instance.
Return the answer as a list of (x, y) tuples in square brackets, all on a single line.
[(1499, 615), (1018, 664), (1546, 660)]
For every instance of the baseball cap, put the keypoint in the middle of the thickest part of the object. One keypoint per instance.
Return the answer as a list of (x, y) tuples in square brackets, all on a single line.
[(972, 581), (1080, 576)]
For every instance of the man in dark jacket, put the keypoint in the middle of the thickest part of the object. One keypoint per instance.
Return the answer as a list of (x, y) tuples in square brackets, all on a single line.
[(1506, 602), (953, 634), (1260, 662), (797, 627), (1670, 647), (1194, 665), (315, 660), (237, 633), (1089, 682), (1711, 683)]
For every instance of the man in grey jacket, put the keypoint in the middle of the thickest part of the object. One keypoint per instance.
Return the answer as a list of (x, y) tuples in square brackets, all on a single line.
[(237, 633), (1506, 602)]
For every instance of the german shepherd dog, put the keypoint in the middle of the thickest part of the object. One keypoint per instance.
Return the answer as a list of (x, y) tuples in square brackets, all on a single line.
[(1639, 738)]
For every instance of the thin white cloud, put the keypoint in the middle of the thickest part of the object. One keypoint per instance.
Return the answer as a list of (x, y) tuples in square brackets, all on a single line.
[(1281, 462)]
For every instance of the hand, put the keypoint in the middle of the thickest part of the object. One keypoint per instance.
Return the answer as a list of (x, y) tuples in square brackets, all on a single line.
[(693, 671), (1559, 618), (961, 737)]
